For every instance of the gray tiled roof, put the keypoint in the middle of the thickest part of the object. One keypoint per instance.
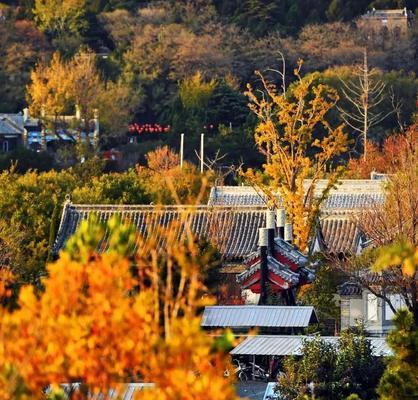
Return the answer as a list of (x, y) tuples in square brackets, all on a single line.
[(350, 194), (340, 233), (9, 127), (349, 289), (291, 345), (233, 230), (258, 316)]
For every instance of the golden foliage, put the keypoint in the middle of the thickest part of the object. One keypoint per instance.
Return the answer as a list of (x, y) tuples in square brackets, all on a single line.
[(168, 183), (298, 143), (6, 279), (84, 326), (194, 92), (403, 254), (99, 321), (57, 87), (49, 90), (60, 16)]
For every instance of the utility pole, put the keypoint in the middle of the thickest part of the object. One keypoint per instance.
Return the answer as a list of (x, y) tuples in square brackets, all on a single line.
[(181, 149), (202, 142)]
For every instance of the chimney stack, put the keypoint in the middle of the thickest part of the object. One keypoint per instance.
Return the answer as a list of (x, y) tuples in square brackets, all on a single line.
[(288, 233), (271, 228), (25, 114), (263, 239), (77, 112), (280, 221)]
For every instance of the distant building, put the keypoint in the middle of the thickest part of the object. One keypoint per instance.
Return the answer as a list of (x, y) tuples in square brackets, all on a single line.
[(396, 22), (21, 129), (360, 306), (15, 130)]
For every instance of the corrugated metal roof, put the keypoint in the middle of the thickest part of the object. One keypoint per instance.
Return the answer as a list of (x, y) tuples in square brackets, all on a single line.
[(258, 316), (125, 391), (279, 345)]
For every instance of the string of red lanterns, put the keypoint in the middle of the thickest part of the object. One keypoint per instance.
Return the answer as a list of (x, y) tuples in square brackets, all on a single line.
[(148, 128), (157, 128)]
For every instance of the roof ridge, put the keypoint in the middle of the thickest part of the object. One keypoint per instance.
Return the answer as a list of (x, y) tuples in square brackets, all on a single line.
[(158, 207)]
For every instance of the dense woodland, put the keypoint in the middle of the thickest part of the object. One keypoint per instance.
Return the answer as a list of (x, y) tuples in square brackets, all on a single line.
[(186, 64)]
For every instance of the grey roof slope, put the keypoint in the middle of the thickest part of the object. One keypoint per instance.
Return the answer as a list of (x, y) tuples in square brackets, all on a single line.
[(340, 233), (234, 213), (291, 345), (258, 316), (9, 127), (350, 194), (233, 230)]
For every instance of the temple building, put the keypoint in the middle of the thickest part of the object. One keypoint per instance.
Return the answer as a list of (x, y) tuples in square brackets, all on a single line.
[(254, 242)]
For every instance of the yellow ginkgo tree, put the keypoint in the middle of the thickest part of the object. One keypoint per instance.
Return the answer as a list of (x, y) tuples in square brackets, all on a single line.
[(299, 144), (403, 254)]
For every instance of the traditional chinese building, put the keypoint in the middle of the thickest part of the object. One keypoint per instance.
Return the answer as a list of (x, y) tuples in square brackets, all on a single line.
[(232, 220)]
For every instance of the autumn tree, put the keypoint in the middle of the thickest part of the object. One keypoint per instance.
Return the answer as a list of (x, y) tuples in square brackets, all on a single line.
[(101, 323), (393, 223), (21, 47), (385, 159), (298, 143), (59, 87), (166, 182), (60, 16), (400, 379), (365, 94)]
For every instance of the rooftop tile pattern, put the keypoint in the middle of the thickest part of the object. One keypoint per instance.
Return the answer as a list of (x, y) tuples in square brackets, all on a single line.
[(233, 230), (350, 194), (340, 233)]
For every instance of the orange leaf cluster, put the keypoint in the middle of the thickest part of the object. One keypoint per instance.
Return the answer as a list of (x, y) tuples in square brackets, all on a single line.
[(84, 326), (100, 323), (386, 159)]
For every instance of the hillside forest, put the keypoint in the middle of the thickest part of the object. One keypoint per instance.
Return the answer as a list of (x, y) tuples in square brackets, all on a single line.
[(160, 68)]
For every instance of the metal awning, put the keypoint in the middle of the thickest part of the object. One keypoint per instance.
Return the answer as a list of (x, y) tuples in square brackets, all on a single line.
[(269, 345), (125, 391), (258, 316)]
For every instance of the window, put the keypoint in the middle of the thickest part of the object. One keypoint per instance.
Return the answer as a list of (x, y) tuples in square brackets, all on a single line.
[(371, 307), (397, 302), (5, 145)]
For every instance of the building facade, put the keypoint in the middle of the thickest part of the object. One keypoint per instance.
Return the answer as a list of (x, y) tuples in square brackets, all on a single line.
[(395, 22)]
